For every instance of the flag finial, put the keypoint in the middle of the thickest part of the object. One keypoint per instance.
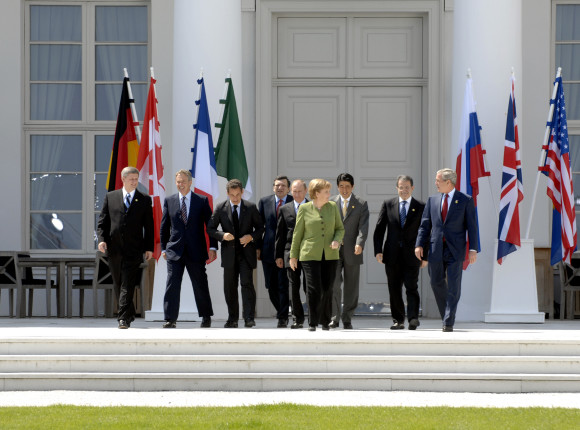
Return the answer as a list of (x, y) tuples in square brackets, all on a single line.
[(468, 73)]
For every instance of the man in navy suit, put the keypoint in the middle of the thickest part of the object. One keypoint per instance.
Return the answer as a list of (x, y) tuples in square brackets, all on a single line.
[(183, 245), (446, 219), (275, 278)]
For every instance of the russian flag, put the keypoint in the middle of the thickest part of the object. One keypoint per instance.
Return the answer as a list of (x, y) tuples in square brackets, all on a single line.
[(470, 163), (203, 168)]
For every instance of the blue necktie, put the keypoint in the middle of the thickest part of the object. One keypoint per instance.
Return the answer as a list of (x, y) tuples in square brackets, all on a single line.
[(183, 210), (403, 213), (127, 202)]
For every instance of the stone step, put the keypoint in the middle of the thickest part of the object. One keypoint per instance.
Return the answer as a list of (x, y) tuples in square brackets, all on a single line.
[(440, 382), (288, 364)]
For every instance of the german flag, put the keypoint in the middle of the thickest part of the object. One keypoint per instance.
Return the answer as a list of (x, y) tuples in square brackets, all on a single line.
[(125, 146)]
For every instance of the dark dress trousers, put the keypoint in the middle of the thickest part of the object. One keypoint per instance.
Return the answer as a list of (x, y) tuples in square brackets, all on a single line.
[(284, 231), (401, 264), (275, 278), (238, 261), (447, 243), (185, 247), (128, 233)]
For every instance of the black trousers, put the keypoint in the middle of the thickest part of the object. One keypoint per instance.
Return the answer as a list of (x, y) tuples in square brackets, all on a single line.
[(244, 272), (319, 282), (276, 282), (399, 274), (294, 277), (126, 275), (198, 276)]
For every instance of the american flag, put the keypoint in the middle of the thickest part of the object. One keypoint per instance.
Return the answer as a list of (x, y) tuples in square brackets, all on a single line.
[(470, 163), (560, 187), (512, 189)]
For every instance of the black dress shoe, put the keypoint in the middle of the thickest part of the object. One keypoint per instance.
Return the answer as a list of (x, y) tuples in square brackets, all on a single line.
[(447, 328), (297, 325), (334, 324), (312, 328), (347, 326), (249, 323), (398, 326), (124, 324), (205, 322), (282, 323), (325, 327), (231, 324), (169, 324), (414, 323)]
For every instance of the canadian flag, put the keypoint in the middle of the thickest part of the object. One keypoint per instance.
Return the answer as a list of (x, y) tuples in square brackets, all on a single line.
[(150, 165)]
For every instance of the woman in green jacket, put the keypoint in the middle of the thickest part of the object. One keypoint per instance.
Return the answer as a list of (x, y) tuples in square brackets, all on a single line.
[(315, 242)]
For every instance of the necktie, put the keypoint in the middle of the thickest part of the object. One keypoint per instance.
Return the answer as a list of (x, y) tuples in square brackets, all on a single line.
[(444, 208), (403, 213), (278, 207), (297, 207), (344, 207), (183, 210), (127, 202), (236, 219)]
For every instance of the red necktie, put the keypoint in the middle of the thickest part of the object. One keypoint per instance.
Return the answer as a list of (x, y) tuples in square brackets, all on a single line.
[(278, 207), (444, 209)]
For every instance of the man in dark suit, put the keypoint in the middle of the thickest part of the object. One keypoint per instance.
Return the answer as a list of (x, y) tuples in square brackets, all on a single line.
[(183, 245), (242, 229), (354, 213), (125, 232), (275, 278), (284, 232), (446, 219), (401, 218)]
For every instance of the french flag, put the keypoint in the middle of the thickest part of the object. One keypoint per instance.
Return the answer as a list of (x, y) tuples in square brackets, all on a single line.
[(203, 168), (470, 163)]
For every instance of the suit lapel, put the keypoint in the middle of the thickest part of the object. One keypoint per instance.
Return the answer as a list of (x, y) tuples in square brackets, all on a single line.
[(229, 209)]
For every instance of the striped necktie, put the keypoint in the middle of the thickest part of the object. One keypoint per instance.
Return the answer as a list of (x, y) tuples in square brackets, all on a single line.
[(403, 213), (183, 210)]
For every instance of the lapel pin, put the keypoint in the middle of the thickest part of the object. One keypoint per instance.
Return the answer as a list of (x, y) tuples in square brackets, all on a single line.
[(352, 207), (413, 210), (456, 201)]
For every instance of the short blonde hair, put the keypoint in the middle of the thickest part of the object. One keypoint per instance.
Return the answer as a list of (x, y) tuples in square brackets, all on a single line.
[(317, 185)]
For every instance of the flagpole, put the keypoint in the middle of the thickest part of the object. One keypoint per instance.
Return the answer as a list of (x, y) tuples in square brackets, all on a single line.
[(222, 105), (543, 150), (133, 110)]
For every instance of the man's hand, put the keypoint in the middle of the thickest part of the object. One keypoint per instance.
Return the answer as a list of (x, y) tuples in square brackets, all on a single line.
[(148, 255), (280, 263), (334, 244), (259, 254), (380, 257), (293, 263), (424, 263), (103, 247), (212, 255), (228, 237), (246, 239), (358, 250), (164, 255), (472, 256), (419, 252)]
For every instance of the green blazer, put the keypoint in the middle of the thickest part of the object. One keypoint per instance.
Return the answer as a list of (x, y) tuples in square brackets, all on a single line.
[(314, 232)]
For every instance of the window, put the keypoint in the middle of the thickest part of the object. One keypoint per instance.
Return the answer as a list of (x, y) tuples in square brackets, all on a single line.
[(75, 55)]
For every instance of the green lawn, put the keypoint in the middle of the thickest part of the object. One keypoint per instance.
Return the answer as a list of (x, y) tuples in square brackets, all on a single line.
[(286, 416)]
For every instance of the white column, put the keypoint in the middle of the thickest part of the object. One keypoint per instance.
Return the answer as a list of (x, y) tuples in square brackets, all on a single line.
[(487, 39), (206, 34)]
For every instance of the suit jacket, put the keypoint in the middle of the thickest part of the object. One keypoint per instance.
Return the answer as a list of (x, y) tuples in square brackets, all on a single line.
[(356, 227), (128, 234), (177, 236), (460, 218), (400, 240), (284, 232), (267, 208), (314, 232), (250, 223)]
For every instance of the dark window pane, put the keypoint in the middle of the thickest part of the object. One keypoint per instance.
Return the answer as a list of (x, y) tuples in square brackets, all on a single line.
[(568, 57), (109, 95), (56, 192), (55, 23), (55, 153), (121, 24), (110, 61), (55, 102), (572, 96), (55, 231), (103, 148), (56, 63), (575, 155), (100, 190), (567, 22)]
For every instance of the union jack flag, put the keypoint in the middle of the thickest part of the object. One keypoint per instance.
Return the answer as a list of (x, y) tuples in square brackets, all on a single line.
[(560, 187), (512, 189)]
